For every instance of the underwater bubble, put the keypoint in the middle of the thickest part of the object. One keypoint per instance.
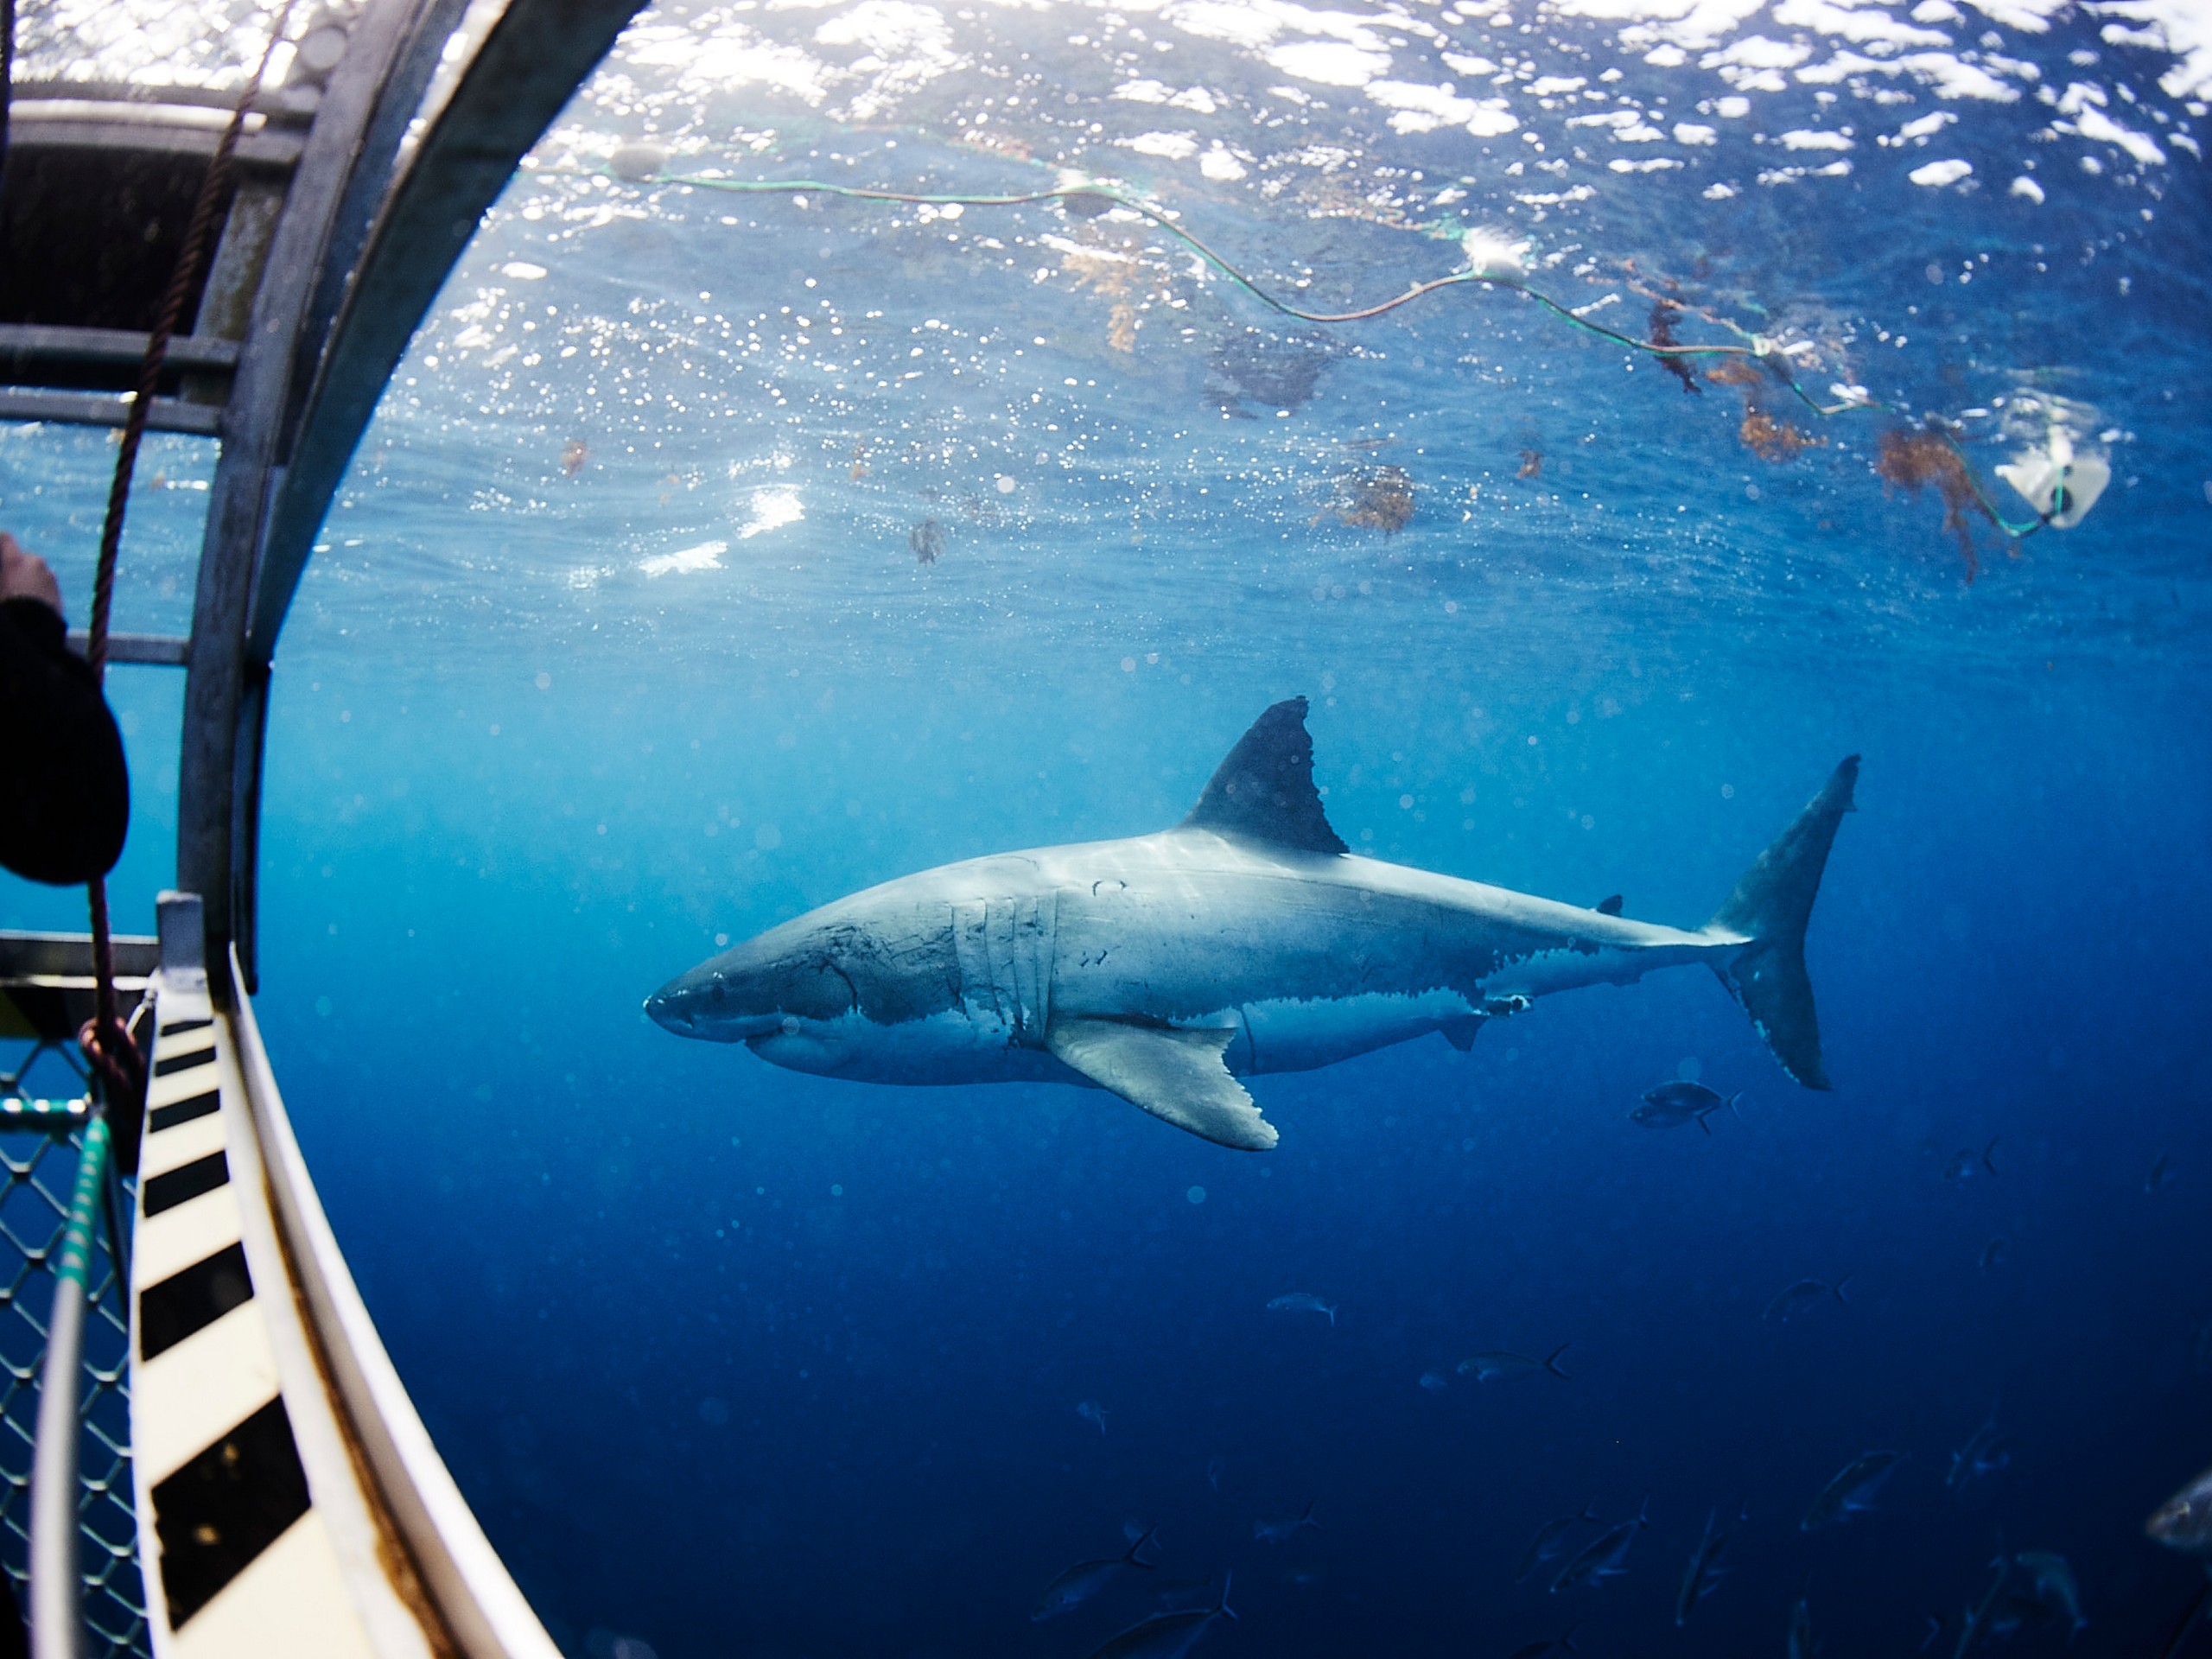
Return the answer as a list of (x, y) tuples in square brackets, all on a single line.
[(1196, 1195)]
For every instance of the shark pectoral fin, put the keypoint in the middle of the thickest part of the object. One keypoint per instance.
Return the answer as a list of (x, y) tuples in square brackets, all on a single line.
[(1461, 1033), (1174, 1075)]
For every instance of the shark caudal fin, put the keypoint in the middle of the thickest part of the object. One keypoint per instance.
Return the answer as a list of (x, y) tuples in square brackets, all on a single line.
[(1769, 907)]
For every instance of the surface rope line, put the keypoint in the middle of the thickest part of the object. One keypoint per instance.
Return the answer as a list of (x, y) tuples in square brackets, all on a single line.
[(1091, 201)]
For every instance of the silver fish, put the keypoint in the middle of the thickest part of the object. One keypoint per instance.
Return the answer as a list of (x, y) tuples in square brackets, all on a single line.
[(1967, 1163), (1086, 1579), (1167, 1636), (1673, 1104), (1606, 1557), (2156, 1178), (1493, 1364), (1852, 1493), (1706, 1567), (1978, 1615), (1792, 1300), (1301, 1301), (1091, 1412), (1986, 1454), (1803, 1643), (1550, 1540), (1996, 1253), (1434, 1381), (1549, 1645), (1280, 1528), (2183, 1522), (2052, 1585), (1217, 1466)]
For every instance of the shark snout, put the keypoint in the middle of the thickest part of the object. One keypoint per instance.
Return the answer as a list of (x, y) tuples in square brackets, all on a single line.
[(706, 1003)]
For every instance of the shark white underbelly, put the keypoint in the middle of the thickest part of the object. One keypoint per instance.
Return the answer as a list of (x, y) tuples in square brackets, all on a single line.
[(1244, 941)]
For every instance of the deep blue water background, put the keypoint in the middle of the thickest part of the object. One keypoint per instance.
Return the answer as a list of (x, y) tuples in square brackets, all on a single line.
[(737, 1362)]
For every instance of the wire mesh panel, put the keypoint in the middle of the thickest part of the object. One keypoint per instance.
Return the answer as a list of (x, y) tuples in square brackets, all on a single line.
[(39, 1168)]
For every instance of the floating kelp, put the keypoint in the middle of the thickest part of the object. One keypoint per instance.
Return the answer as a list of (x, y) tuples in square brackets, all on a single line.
[(1532, 464), (1771, 439), (1916, 459), (573, 454), (1663, 312), (1276, 372), (1377, 498)]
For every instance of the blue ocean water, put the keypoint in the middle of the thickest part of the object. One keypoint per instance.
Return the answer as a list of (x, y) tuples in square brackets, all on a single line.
[(620, 647)]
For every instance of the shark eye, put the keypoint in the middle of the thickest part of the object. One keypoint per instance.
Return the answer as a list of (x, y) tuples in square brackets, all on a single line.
[(790, 1024)]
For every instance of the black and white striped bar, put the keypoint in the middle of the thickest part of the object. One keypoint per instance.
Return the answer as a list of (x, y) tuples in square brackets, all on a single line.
[(237, 1559)]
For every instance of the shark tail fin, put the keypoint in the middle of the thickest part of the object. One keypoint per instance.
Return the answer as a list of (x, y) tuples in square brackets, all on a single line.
[(1131, 1557), (1551, 1362), (1222, 1607), (1769, 908), (1836, 1289)]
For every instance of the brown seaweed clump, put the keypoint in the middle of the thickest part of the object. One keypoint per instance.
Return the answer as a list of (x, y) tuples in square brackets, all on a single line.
[(573, 454), (1532, 464), (1736, 372), (1380, 499), (1773, 440), (1663, 312), (926, 541), (1919, 459)]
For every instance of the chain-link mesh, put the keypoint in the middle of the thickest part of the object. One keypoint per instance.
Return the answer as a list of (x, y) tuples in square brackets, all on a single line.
[(40, 1170)]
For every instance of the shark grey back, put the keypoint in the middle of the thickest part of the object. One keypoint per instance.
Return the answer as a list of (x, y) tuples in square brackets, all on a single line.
[(1245, 940)]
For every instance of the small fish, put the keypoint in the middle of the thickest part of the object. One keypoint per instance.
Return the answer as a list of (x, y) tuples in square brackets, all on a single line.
[(1550, 1644), (1550, 1540), (1086, 1579), (1965, 1163), (1606, 1557), (1673, 1104), (1167, 1636), (1985, 1453), (1796, 1298), (2156, 1178), (1496, 1362), (1706, 1567), (1978, 1615), (1280, 1528), (1434, 1381), (1852, 1493), (1996, 1253), (1217, 1466), (1091, 1412), (1302, 1302), (1803, 1643), (2053, 1587), (2183, 1522)]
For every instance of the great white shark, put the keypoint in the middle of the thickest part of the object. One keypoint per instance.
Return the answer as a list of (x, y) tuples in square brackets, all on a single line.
[(1247, 939)]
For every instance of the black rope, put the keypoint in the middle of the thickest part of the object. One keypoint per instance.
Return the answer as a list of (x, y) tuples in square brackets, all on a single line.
[(111, 1050)]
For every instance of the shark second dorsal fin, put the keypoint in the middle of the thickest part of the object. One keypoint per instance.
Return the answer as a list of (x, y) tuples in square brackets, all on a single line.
[(1177, 1075), (1265, 790)]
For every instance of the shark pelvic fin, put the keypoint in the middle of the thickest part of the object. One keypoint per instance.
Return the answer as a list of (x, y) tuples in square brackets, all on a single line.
[(1177, 1075), (1265, 790), (1461, 1033)]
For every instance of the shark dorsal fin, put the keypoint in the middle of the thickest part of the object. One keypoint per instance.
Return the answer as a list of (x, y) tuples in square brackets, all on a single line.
[(1265, 790)]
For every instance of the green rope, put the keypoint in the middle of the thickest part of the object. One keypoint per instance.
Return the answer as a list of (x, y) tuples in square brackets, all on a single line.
[(73, 1264), (1089, 201)]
